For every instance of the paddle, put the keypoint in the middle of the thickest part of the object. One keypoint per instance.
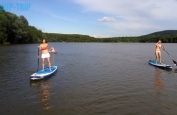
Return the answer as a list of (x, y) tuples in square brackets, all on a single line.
[(171, 58), (38, 60)]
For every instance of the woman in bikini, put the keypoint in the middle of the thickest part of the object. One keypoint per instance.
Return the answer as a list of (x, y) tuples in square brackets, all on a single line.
[(158, 52), (45, 53)]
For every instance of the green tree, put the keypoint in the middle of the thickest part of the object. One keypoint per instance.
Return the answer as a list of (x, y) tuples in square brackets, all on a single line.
[(3, 26)]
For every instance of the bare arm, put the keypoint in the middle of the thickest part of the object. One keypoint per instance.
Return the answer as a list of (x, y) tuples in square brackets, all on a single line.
[(40, 47)]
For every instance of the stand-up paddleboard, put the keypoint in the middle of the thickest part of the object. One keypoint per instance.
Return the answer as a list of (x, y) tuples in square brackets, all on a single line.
[(162, 65), (44, 74)]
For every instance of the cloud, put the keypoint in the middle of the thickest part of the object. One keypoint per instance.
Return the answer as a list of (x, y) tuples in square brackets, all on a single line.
[(100, 36), (107, 19), (130, 8), (142, 16), (120, 16)]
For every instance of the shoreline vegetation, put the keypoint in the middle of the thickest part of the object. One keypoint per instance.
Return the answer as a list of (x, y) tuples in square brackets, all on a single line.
[(16, 30)]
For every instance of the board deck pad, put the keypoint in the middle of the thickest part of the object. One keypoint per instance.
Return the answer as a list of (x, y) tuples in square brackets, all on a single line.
[(42, 74), (160, 65)]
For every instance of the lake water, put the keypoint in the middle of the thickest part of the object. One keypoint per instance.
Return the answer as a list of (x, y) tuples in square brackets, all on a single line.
[(92, 79)]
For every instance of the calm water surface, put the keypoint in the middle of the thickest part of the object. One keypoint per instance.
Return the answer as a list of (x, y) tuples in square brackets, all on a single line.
[(92, 79)]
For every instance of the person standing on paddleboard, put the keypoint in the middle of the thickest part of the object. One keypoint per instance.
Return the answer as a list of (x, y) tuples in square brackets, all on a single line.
[(45, 53), (158, 52)]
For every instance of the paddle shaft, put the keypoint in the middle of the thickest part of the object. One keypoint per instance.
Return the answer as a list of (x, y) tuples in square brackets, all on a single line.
[(171, 57), (38, 60)]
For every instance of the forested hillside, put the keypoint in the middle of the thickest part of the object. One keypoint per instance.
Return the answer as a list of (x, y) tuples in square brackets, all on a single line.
[(16, 30)]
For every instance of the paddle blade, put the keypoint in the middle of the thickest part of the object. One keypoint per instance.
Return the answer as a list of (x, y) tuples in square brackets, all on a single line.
[(174, 62)]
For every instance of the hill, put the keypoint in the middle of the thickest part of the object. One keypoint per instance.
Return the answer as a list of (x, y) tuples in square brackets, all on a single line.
[(167, 36), (16, 30), (163, 33)]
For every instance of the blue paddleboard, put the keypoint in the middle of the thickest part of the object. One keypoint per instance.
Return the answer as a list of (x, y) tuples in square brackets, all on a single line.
[(162, 65), (44, 74)]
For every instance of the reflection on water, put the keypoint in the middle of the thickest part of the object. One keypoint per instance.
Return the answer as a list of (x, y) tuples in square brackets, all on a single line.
[(43, 92), (175, 70), (158, 82), (92, 79)]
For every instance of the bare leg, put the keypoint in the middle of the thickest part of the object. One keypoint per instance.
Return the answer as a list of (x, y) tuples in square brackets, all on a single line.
[(156, 57), (49, 63), (43, 59), (160, 58)]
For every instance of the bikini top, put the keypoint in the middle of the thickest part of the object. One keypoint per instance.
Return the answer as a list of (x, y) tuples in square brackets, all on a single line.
[(44, 48), (158, 45)]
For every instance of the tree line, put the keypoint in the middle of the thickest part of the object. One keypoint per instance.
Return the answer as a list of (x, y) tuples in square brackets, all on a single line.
[(16, 30)]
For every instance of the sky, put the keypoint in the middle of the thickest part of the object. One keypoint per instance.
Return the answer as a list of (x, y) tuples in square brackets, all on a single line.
[(98, 18)]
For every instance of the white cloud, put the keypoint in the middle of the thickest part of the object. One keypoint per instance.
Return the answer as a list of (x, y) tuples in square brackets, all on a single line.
[(120, 16), (140, 16), (100, 36), (107, 19)]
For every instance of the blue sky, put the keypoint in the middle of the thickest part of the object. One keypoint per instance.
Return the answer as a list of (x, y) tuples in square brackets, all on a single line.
[(99, 18)]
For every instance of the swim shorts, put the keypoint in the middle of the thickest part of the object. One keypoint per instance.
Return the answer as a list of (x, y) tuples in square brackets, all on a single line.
[(47, 55)]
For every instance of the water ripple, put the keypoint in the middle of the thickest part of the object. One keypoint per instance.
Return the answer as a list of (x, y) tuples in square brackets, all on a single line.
[(92, 78)]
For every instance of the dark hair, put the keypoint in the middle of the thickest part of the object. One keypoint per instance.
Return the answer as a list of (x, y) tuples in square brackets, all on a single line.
[(159, 40), (44, 39)]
